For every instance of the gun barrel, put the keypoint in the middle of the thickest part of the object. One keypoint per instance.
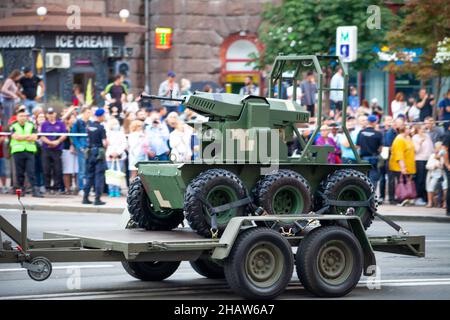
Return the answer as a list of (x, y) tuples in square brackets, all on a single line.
[(153, 97)]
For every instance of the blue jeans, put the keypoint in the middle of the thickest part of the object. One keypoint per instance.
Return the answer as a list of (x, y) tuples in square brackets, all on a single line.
[(30, 104), (374, 174), (113, 165), (161, 157), (81, 169)]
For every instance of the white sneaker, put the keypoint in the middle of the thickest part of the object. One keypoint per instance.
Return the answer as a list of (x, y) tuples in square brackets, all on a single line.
[(419, 202)]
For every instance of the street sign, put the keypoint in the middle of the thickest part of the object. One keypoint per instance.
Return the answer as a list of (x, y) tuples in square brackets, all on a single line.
[(163, 38), (347, 43)]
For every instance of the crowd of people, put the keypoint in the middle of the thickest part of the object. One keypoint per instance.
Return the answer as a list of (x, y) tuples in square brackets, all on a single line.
[(70, 151)]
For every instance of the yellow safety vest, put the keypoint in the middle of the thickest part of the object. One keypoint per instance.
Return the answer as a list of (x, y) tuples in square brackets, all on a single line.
[(23, 145)]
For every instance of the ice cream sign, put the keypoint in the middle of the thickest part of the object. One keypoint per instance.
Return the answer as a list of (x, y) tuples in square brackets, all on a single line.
[(347, 43)]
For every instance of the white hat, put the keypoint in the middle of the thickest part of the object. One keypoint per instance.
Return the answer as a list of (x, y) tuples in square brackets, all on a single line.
[(374, 100)]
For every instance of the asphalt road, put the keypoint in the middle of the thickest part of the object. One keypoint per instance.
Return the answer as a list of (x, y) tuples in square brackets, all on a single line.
[(400, 277)]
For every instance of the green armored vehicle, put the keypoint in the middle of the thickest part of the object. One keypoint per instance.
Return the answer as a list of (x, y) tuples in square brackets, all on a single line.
[(244, 167)]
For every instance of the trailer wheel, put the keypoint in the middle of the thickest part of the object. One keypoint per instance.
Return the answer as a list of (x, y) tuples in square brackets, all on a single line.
[(350, 185), (283, 192), (141, 210), (218, 187), (260, 264), (151, 271), (329, 261), (208, 268)]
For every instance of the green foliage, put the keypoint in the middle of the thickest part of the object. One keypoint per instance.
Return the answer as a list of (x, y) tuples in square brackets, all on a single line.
[(309, 27), (426, 23)]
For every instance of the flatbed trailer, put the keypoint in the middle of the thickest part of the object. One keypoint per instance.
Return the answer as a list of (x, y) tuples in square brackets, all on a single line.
[(256, 260)]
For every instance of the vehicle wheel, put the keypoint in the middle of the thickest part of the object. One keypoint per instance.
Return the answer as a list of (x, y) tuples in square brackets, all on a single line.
[(260, 264), (208, 268), (151, 271), (218, 187), (283, 192), (350, 185), (329, 261), (141, 210)]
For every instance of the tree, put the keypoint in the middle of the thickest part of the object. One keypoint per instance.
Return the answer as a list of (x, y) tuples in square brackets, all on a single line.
[(426, 24), (309, 27)]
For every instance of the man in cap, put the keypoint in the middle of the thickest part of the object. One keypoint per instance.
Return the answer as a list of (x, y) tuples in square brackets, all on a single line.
[(370, 142), (169, 89), (30, 84), (52, 151), (95, 158), (23, 149)]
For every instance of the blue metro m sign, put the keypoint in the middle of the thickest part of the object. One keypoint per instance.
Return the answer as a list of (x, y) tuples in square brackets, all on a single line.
[(347, 43)]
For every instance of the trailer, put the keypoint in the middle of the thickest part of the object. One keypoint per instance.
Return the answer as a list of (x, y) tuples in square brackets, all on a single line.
[(257, 261)]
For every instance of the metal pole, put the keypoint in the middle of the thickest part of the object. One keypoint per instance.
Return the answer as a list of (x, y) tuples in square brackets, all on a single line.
[(147, 47), (44, 73)]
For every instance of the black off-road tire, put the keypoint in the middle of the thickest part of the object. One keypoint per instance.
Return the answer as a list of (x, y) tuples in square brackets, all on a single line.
[(141, 210), (208, 268), (312, 250), (349, 178), (239, 264), (151, 271), (195, 211), (268, 187)]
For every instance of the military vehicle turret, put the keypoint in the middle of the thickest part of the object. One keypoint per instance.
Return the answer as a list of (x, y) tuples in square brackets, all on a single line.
[(244, 167)]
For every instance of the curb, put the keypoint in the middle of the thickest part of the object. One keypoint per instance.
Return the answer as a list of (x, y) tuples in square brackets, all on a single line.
[(116, 210), (441, 219), (84, 209)]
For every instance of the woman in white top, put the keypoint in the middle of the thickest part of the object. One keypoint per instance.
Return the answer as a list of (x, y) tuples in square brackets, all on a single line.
[(136, 153), (115, 152), (10, 93), (180, 142), (399, 106), (423, 147)]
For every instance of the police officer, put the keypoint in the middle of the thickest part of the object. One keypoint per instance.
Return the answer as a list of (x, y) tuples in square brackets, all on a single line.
[(370, 142), (95, 158), (23, 149)]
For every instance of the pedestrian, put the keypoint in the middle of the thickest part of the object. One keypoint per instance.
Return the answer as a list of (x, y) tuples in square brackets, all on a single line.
[(185, 91), (377, 110), (80, 143), (444, 109), (2, 163), (423, 147), (39, 171), (402, 160), (348, 156), (325, 140), (157, 138), (353, 100), (169, 89), (290, 92), (309, 89), (70, 160), (425, 104), (370, 142), (115, 152), (384, 168), (436, 175), (413, 113), (115, 95), (136, 139), (52, 152), (180, 142), (23, 148), (436, 133), (398, 105), (95, 158), (336, 92), (30, 84), (10, 93), (446, 147), (77, 96), (249, 88)]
